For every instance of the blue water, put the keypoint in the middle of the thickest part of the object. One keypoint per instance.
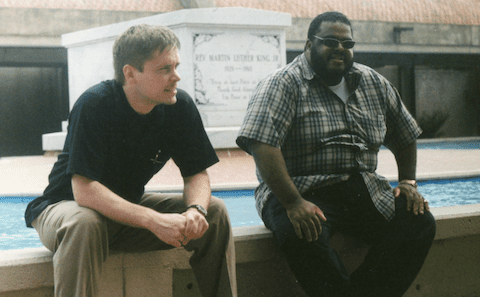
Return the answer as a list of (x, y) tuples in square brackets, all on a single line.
[(450, 145), (240, 205), (13, 232), (447, 145), (462, 191)]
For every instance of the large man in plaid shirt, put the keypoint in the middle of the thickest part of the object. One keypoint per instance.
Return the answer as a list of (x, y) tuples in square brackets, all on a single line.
[(314, 129)]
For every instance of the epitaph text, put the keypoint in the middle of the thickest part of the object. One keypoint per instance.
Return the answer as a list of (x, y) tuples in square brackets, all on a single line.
[(228, 67)]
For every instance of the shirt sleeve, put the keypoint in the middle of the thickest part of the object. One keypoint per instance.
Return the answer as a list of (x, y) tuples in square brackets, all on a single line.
[(193, 151), (86, 139), (402, 129), (270, 113)]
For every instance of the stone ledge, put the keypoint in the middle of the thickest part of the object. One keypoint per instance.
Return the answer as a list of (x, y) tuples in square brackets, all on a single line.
[(30, 270)]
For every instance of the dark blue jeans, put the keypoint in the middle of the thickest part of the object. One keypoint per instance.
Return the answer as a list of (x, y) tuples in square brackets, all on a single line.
[(398, 248)]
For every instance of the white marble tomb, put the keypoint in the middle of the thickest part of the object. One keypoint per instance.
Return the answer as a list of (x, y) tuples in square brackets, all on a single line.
[(224, 53)]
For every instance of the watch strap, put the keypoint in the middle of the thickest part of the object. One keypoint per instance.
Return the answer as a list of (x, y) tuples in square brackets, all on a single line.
[(411, 182), (200, 209)]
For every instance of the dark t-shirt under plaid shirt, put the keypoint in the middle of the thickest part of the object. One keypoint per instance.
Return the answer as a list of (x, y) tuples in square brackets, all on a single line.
[(324, 140)]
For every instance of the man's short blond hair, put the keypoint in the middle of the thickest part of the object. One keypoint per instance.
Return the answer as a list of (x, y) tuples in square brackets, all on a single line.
[(136, 46)]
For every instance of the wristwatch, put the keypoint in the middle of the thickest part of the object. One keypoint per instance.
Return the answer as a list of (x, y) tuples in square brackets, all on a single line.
[(200, 209), (411, 182)]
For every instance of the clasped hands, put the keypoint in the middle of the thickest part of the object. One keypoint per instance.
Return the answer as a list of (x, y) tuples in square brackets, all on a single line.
[(179, 229)]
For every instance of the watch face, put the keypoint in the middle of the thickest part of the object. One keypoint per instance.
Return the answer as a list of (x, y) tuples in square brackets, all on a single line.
[(200, 208)]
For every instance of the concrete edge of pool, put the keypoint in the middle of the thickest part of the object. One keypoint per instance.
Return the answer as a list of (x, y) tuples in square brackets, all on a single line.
[(392, 178), (252, 185), (451, 269)]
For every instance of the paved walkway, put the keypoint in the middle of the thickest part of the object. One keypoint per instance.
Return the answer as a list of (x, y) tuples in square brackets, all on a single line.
[(28, 176)]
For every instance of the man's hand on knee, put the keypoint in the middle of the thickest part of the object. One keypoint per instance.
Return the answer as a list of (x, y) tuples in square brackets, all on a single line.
[(415, 200), (306, 218)]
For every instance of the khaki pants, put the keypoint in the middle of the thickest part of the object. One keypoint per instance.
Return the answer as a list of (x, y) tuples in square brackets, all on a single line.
[(81, 238)]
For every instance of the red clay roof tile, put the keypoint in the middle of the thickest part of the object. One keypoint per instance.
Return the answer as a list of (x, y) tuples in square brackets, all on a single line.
[(464, 12), (125, 5)]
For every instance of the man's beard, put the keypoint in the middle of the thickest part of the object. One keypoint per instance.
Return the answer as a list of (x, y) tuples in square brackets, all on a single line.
[(320, 66)]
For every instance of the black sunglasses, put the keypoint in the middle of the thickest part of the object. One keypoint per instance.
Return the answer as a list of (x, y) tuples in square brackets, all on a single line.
[(333, 43)]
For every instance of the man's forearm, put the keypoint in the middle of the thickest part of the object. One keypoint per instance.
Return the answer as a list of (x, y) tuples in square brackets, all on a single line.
[(94, 195), (271, 165), (407, 162), (197, 189), (305, 216), (168, 227)]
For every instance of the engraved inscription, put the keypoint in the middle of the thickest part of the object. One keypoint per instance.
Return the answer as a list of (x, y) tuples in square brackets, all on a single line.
[(227, 67)]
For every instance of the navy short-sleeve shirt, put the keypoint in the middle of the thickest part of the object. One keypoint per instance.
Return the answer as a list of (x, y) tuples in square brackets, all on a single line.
[(107, 141)]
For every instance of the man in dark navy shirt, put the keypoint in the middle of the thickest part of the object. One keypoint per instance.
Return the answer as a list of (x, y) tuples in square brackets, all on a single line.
[(121, 132)]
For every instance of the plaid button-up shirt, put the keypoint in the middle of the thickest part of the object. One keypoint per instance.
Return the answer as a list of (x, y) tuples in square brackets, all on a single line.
[(324, 140)]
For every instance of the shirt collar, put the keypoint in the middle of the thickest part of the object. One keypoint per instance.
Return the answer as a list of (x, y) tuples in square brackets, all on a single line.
[(307, 71)]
